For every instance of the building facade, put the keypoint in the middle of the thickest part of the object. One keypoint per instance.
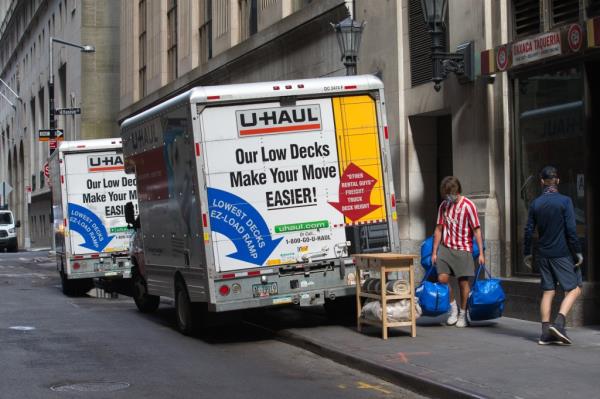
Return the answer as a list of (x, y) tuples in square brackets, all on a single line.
[(470, 128), (86, 81)]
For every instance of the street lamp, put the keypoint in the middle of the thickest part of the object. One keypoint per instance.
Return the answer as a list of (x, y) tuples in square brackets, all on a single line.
[(460, 62), (52, 110), (348, 34)]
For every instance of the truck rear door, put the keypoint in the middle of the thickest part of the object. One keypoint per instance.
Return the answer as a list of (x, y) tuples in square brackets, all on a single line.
[(97, 190), (288, 184)]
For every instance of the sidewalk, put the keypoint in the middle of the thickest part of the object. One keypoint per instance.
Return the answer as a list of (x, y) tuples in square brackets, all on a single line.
[(498, 359)]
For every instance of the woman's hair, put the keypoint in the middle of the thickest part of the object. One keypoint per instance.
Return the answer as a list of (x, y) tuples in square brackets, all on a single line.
[(450, 185)]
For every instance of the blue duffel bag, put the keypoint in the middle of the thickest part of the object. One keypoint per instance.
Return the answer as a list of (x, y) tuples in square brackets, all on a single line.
[(486, 300), (434, 298)]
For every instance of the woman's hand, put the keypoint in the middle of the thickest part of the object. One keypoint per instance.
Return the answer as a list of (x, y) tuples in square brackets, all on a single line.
[(481, 258)]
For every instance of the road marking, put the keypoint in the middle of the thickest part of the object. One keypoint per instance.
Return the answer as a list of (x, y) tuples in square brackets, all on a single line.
[(22, 328), (364, 385), (403, 357), (38, 275)]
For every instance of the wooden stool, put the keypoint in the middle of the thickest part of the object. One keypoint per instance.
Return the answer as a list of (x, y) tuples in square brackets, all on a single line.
[(384, 263)]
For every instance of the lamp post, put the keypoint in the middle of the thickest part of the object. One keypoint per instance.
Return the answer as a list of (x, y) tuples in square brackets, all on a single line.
[(52, 109), (349, 33), (460, 62)]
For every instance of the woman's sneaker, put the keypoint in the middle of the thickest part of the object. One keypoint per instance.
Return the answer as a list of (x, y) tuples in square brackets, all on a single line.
[(453, 314), (462, 319), (560, 333), (549, 339)]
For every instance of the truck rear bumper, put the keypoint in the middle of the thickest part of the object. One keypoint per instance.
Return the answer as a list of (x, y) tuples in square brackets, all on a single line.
[(305, 298), (118, 274)]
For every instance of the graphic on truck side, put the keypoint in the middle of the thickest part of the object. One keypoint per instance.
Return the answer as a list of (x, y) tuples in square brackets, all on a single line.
[(284, 182), (97, 191)]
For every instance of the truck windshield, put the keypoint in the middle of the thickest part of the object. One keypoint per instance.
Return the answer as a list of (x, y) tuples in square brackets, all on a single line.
[(5, 218)]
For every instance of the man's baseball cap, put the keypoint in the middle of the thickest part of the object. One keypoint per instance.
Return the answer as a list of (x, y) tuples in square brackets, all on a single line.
[(549, 172)]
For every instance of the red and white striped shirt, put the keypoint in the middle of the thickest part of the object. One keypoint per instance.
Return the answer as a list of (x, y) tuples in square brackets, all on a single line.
[(459, 221)]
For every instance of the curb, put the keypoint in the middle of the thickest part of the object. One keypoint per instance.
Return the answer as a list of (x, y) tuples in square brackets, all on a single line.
[(402, 378)]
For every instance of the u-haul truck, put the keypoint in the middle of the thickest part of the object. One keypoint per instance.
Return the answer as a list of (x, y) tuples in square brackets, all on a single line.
[(256, 195), (89, 193)]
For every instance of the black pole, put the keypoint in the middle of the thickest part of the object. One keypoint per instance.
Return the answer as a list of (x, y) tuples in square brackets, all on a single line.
[(52, 110)]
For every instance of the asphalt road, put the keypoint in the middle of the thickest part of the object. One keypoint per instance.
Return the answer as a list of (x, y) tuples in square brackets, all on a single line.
[(52, 346)]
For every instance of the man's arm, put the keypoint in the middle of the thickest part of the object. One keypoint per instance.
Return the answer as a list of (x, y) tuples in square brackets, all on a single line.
[(437, 237), (529, 228), (479, 240), (571, 230)]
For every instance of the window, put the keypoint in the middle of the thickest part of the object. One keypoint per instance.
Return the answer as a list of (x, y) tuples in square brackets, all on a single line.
[(419, 40), (172, 40), (526, 17), (142, 49), (564, 11), (593, 8), (205, 31), (248, 18), (550, 130), (222, 17)]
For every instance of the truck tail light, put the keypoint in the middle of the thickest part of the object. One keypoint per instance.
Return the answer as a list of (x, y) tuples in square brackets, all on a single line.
[(76, 266), (224, 290)]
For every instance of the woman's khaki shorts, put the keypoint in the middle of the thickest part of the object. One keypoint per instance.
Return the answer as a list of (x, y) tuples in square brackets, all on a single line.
[(456, 263)]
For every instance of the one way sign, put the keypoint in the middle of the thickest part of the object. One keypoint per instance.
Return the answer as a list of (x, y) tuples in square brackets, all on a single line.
[(50, 134)]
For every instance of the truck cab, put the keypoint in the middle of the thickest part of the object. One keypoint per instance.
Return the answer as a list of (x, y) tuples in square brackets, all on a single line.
[(8, 231)]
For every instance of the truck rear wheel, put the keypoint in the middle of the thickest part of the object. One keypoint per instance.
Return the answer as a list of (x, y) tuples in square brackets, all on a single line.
[(145, 303), (77, 287), (187, 313)]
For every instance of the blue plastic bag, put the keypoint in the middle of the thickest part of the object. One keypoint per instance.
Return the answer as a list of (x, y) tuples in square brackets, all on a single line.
[(434, 298), (486, 300)]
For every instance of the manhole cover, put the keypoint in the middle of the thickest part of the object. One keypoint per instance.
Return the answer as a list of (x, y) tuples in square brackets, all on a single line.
[(91, 387), (22, 328)]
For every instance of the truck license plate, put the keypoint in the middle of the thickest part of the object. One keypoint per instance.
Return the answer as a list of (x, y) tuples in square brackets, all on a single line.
[(261, 290)]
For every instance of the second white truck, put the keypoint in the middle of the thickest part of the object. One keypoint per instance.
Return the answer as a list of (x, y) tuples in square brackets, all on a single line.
[(89, 193), (256, 195)]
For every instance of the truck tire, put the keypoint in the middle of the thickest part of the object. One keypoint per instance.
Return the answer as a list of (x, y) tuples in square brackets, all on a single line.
[(187, 313), (78, 287), (341, 308), (145, 303), (15, 248)]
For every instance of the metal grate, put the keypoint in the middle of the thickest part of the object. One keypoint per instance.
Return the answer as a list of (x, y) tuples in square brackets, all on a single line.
[(526, 17), (419, 41), (564, 11), (593, 8)]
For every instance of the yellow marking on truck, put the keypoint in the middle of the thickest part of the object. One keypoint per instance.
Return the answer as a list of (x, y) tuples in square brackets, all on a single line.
[(394, 215), (206, 237), (273, 262), (358, 143)]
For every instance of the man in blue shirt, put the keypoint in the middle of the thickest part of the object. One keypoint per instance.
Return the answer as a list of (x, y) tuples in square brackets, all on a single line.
[(553, 215)]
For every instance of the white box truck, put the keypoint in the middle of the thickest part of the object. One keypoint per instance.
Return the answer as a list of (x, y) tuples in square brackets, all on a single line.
[(8, 231), (89, 193), (254, 195)]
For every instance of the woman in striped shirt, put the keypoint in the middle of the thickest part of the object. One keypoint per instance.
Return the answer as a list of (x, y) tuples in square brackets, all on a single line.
[(457, 222)]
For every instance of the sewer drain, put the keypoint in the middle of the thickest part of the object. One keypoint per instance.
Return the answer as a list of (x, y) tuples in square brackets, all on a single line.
[(91, 387)]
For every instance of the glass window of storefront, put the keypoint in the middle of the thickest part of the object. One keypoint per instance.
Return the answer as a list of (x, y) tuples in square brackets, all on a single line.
[(550, 130)]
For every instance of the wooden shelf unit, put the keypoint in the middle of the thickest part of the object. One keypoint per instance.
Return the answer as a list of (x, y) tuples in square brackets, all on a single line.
[(385, 263)]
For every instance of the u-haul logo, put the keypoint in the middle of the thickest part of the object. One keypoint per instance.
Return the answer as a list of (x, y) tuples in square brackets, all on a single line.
[(302, 118), (105, 163)]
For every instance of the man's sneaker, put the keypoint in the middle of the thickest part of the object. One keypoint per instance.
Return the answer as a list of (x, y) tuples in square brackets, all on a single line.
[(462, 319), (549, 339), (560, 333), (453, 316)]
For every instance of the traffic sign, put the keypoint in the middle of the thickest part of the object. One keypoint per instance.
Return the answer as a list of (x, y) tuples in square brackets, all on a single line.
[(50, 134), (67, 111), (46, 170), (53, 144)]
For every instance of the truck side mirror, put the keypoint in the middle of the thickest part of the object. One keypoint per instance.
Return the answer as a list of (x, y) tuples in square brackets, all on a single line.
[(130, 214), (18, 223)]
